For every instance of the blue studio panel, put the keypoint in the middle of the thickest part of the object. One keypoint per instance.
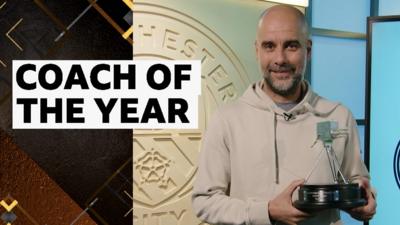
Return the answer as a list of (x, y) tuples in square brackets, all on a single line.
[(385, 120), (389, 7), (338, 71), (341, 15)]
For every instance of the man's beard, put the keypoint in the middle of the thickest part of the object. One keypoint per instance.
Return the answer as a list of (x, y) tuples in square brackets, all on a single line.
[(282, 90)]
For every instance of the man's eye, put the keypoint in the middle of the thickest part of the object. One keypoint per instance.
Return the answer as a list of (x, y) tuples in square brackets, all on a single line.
[(293, 46), (267, 45)]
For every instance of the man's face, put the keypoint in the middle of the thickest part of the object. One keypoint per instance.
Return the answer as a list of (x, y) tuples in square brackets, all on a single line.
[(282, 49)]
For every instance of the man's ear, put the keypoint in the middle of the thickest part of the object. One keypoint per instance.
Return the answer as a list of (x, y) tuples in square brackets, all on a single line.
[(309, 45), (256, 47)]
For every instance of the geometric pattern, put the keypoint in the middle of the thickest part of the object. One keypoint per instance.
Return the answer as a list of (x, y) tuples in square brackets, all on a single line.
[(115, 195), (78, 30)]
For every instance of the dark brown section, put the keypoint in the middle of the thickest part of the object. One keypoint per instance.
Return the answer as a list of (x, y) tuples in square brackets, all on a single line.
[(80, 161), (38, 195)]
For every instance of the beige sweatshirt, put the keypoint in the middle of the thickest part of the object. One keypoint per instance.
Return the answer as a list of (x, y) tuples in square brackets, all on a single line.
[(251, 152)]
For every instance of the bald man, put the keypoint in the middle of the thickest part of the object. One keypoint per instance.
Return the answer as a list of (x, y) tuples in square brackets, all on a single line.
[(259, 149)]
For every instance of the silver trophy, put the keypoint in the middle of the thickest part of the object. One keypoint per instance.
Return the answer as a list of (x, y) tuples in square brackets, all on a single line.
[(340, 194)]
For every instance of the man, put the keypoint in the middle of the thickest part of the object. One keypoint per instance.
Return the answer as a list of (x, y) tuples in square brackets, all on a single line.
[(258, 150)]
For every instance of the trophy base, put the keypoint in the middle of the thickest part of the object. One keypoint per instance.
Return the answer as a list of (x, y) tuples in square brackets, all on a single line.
[(319, 197)]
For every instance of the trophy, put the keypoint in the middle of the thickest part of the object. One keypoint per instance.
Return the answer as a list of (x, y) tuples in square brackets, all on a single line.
[(340, 194)]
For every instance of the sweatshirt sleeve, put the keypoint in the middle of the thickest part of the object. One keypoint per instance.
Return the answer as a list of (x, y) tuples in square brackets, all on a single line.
[(210, 199), (353, 166)]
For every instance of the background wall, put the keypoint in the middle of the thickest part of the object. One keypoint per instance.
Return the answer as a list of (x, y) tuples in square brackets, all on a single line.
[(388, 7)]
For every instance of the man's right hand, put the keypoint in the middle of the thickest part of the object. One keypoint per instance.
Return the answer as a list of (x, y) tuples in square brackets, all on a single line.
[(281, 208)]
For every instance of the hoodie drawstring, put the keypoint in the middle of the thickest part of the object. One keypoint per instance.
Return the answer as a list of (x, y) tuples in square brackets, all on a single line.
[(276, 151)]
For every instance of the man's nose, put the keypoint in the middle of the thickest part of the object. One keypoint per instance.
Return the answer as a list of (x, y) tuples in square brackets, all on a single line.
[(280, 57)]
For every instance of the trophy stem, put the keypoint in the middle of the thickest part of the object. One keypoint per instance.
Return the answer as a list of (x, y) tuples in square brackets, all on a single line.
[(340, 172), (330, 153), (333, 162)]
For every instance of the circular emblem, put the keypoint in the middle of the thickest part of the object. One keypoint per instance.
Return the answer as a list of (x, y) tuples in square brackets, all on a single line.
[(163, 33), (396, 164), (165, 161)]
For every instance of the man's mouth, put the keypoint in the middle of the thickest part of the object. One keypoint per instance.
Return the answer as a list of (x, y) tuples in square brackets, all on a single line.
[(281, 74)]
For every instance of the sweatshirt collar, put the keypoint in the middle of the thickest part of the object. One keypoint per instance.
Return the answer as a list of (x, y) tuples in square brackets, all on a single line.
[(256, 97), (266, 102)]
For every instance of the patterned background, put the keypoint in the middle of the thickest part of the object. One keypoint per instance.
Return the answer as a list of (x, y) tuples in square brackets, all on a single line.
[(69, 170)]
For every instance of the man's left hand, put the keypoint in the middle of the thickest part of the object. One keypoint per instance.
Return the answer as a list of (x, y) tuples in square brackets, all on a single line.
[(366, 212)]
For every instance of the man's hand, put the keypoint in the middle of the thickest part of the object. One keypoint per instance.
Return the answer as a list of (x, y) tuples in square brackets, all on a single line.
[(281, 208), (366, 212)]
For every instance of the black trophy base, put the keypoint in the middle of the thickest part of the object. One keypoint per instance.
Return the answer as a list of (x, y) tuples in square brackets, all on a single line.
[(329, 196)]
